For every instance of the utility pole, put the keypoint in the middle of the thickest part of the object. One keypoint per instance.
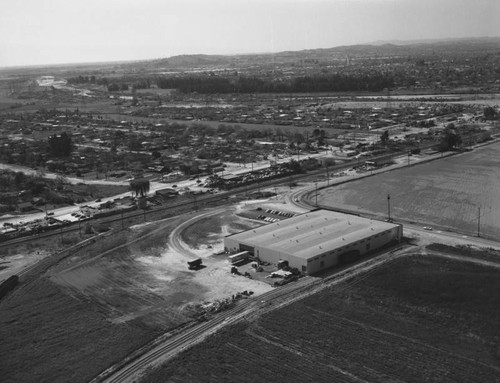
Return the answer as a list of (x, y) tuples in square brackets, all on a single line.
[(327, 176), (389, 207), (478, 219), (316, 194)]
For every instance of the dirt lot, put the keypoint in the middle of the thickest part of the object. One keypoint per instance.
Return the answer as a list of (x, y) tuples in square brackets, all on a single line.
[(444, 193), (422, 318), (148, 278)]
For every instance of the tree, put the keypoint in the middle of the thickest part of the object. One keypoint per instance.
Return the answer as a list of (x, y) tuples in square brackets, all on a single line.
[(449, 140), (384, 137), (114, 87), (19, 178), (60, 182), (140, 186), (489, 113), (295, 166), (60, 145), (321, 137)]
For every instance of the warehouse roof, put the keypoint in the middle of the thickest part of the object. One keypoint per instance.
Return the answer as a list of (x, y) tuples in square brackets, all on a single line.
[(313, 233)]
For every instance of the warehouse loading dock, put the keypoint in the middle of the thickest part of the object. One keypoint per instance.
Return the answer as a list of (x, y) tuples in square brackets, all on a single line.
[(315, 241)]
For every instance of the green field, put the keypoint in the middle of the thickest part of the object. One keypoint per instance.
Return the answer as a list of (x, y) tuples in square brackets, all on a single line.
[(444, 193), (419, 319)]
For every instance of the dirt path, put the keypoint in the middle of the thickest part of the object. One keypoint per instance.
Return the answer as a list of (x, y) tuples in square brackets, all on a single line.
[(463, 258)]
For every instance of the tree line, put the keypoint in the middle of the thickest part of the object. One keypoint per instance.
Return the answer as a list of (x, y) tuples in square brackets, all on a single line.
[(318, 83), (371, 82)]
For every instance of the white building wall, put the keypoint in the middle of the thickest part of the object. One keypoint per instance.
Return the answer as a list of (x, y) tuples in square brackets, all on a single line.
[(321, 262), (318, 262)]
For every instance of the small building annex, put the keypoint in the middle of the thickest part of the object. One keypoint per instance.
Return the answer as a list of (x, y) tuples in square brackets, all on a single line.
[(315, 241)]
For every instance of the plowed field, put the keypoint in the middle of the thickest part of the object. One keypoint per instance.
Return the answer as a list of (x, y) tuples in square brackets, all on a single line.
[(444, 193), (420, 319)]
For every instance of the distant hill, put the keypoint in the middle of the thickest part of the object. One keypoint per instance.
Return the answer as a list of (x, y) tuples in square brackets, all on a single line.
[(465, 40), (473, 46), (378, 48)]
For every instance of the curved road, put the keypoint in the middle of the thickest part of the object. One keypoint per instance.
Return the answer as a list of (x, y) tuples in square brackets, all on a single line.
[(175, 236)]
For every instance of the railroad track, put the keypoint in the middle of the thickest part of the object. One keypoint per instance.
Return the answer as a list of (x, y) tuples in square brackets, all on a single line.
[(45, 263), (244, 310), (207, 199)]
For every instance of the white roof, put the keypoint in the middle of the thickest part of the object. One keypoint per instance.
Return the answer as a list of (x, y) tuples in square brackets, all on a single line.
[(309, 234)]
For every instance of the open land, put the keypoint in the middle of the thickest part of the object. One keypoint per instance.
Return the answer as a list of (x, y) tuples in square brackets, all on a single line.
[(445, 193), (122, 293), (422, 318)]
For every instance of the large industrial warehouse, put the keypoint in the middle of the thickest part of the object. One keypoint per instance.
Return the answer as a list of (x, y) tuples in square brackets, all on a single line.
[(316, 240)]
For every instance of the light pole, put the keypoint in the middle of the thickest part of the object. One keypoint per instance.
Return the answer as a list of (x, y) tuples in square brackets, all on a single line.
[(316, 194), (388, 207), (478, 219)]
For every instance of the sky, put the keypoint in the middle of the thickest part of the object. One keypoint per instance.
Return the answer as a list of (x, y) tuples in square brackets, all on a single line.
[(37, 32)]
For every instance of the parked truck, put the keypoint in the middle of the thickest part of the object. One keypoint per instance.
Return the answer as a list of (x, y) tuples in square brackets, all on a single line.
[(195, 264), (239, 257)]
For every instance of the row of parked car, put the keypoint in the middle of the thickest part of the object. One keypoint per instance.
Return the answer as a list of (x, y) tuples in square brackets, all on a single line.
[(268, 219), (281, 213)]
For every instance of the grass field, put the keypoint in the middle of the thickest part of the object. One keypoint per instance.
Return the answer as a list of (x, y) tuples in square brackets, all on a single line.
[(445, 193), (420, 319), (50, 336)]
